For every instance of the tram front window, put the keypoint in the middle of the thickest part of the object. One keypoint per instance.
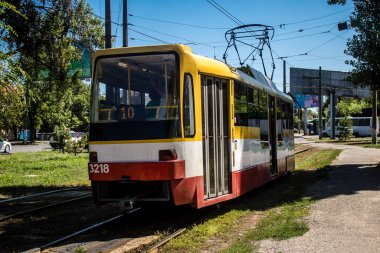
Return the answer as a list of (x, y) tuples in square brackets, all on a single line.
[(136, 97)]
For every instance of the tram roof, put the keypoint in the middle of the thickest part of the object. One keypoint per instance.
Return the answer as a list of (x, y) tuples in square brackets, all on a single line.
[(211, 66), (206, 65)]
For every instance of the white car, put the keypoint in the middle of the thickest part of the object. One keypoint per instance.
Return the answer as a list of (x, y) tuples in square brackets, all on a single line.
[(5, 146), (54, 143)]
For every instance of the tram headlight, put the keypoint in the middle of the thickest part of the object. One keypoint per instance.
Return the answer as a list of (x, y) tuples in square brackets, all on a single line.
[(93, 157), (167, 155)]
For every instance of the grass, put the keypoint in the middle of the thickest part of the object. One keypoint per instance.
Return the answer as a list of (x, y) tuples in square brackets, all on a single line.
[(30, 171), (192, 240), (278, 224), (318, 160), (362, 141), (286, 220), (281, 203), (372, 146)]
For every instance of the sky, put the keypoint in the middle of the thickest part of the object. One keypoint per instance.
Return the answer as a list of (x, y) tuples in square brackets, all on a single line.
[(300, 27)]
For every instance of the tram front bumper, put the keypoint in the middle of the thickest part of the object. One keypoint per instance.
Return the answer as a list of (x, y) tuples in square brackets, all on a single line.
[(137, 171)]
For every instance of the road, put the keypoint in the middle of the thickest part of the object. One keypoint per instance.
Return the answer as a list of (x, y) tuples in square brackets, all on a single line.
[(346, 216), (39, 146)]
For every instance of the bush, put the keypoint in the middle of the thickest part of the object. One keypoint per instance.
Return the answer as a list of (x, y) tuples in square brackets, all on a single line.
[(345, 128), (63, 140), (76, 146), (59, 138)]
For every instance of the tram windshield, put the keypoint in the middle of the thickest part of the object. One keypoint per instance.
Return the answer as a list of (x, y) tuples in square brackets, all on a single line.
[(137, 94)]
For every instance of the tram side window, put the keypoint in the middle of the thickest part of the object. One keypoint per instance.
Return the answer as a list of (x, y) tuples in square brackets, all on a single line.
[(263, 115), (188, 107), (289, 116), (134, 98), (280, 119), (253, 107), (240, 99)]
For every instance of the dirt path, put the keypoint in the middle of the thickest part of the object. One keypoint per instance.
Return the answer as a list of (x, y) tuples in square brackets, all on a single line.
[(346, 217)]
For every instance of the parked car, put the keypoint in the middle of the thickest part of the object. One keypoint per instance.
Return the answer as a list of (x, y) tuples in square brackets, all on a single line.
[(327, 132), (54, 143), (5, 146)]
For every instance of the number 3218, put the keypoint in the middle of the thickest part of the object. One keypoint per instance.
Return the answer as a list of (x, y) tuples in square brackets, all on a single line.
[(99, 168)]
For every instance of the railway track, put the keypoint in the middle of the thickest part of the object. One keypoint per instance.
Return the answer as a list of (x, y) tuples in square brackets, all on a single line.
[(81, 232), (303, 150), (92, 239), (14, 207), (154, 248), (165, 240)]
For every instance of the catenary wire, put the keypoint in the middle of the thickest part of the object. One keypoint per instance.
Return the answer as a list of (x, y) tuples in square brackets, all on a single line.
[(178, 23)]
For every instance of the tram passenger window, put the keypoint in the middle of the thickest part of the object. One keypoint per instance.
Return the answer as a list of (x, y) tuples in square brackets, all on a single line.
[(256, 97), (289, 116), (240, 99), (253, 108), (280, 120), (263, 115), (188, 107)]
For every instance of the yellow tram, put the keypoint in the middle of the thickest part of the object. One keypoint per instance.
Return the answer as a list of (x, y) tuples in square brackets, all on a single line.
[(170, 125)]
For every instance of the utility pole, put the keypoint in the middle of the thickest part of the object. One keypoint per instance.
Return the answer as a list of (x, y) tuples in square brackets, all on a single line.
[(320, 104), (125, 23), (284, 75), (374, 117), (25, 141), (332, 113), (305, 122), (108, 27)]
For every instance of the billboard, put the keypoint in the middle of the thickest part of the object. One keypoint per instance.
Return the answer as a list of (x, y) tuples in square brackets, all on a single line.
[(83, 65), (306, 100), (306, 82)]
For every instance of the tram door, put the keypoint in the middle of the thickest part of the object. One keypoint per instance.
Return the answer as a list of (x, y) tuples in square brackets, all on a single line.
[(216, 152), (272, 135)]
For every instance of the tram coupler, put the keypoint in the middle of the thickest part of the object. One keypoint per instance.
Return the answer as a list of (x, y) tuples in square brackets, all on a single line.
[(127, 203)]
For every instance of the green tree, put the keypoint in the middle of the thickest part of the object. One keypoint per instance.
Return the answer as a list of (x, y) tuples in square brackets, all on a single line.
[(46, 45), (348, 106), (345, 128), (11, 108), (364, 47)]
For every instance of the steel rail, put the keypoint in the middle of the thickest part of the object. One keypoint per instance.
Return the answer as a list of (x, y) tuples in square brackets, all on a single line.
[(67, 237), (165, 240), (43, 207), (37, 194), (302, 150)]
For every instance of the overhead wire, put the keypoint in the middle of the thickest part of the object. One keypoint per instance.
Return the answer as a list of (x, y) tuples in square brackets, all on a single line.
[(146, 35), (225, 12), (178, 23), (118, 17), (313, 19), (141, 33), (324, 43), (132, 38), (170, 35), (237, 21), (302, 36), (300, 30)]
